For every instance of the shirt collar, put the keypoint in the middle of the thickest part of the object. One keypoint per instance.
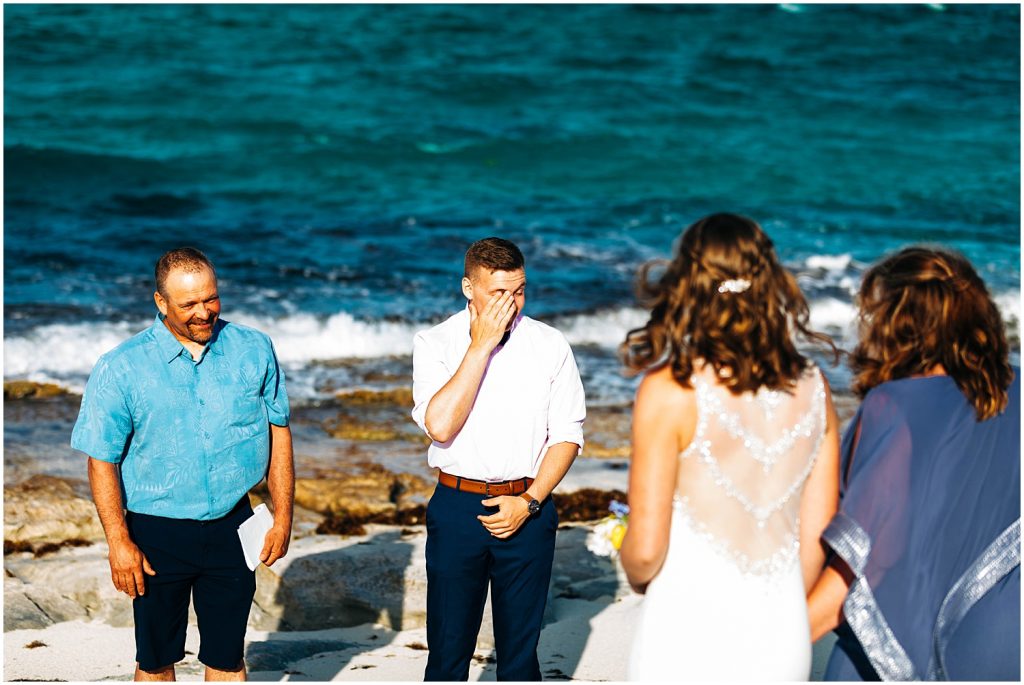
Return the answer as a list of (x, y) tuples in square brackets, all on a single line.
[(515, 322), (171, 347)]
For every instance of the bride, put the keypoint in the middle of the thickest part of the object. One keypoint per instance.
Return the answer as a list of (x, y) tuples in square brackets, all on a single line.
[(735, 469)]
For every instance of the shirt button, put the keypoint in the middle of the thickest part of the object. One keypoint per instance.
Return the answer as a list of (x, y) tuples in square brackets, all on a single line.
[(202, 402)]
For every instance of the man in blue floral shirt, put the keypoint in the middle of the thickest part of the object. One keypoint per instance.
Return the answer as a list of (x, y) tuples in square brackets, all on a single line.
[(179, 422)]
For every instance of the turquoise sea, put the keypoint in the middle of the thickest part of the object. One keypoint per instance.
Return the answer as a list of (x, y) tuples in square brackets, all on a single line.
[(336, 160)]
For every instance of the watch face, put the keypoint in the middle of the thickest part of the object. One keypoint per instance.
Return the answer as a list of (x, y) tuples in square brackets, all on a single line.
[(534, 506)]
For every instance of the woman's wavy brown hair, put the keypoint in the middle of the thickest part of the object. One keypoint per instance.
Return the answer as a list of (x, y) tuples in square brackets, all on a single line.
[(747, 337), (924, 306)]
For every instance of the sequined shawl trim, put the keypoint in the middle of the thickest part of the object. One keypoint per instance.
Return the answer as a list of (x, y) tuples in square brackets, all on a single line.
[(998, 559), (862, 612), (864, 616)]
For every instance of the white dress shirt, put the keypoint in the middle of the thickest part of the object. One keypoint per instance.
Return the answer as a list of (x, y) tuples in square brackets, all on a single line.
[(530, 397)]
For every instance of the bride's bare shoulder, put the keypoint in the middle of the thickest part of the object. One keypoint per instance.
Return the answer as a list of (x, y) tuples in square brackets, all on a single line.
[(660, 387)]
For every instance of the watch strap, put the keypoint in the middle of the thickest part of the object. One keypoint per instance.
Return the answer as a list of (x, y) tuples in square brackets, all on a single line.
[(531, 503)]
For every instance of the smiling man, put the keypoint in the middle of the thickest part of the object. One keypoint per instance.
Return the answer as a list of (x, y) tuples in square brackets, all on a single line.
[(179, 422), (500, 396)]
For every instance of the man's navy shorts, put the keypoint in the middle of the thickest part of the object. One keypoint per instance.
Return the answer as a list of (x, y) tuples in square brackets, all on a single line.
[(199, 558)]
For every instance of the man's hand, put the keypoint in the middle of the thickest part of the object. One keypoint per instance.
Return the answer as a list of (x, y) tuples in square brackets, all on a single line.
[(129, 567), (512, 512), (275, 544), (487, 328)]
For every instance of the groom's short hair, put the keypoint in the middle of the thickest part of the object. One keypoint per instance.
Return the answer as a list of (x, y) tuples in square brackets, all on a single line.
[(493, 254)]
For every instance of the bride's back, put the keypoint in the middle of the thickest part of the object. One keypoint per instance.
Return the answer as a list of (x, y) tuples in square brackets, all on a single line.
[(715, 535), (741, 476)]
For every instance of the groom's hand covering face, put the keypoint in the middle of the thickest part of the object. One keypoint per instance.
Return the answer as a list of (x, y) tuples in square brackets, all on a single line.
[(496, 298)]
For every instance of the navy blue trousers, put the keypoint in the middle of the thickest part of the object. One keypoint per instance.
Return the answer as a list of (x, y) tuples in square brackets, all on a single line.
[(463, 559), (199, 558)]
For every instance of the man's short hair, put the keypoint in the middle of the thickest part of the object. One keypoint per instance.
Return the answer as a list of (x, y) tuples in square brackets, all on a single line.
[(493, 254), (187, 259)]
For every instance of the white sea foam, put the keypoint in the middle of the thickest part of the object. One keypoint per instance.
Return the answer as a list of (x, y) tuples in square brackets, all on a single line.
[(66, 353), (1009, 307), (303, 338), (830, 262), (63, 353), (833, 316), (606, 328)]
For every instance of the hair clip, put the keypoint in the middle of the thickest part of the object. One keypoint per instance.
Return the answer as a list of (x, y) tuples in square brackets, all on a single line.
[(734, 285)]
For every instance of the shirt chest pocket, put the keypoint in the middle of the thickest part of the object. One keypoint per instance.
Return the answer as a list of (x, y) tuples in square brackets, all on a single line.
[(234, 402)]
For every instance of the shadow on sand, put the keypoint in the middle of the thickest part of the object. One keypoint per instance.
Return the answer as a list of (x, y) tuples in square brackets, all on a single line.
[(331, 602)]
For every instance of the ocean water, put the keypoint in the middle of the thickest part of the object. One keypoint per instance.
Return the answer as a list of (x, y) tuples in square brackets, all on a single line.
[(336, 160)]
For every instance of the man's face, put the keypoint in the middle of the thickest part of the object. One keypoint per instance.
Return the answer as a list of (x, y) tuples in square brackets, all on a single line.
[(192, 304), (482, 285)]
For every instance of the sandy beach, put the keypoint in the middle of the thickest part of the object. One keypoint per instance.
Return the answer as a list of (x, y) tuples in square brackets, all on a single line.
[(585, 637)]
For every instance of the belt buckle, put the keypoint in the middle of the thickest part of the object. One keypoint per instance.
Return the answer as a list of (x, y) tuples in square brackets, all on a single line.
[(487, 488)]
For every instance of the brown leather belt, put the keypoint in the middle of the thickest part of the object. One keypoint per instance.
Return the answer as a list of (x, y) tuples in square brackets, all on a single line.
[(482, 487)]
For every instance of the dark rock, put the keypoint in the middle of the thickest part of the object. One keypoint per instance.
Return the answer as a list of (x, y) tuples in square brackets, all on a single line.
[(51, 547), (344, 523), (12, 547), (276, 655), (401, 397), (585, 504), (350, 427), (367, 490), (22, 390)]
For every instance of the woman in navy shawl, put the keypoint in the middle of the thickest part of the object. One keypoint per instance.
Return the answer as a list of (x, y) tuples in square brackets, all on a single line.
[(924, 579)]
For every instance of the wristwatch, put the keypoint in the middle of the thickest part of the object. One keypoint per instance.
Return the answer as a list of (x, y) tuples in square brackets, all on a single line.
[(532, 505)]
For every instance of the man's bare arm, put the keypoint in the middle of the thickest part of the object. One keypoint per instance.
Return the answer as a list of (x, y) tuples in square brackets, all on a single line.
[(281, 484), (128, 565), (449, 408)]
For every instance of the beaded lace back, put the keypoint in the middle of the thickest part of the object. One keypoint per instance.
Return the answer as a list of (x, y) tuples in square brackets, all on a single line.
[(741, 477)]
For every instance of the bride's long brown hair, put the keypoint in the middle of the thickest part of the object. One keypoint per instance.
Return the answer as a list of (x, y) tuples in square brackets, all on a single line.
[(924, 306), (747, 336)]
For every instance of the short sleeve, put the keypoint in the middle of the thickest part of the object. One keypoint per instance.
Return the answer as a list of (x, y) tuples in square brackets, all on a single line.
[(104, 426), (876, 486), (275, 396), (429, 375), (567, 408)]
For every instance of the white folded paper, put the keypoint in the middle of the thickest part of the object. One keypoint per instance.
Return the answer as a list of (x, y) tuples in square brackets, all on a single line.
[(253, 533)]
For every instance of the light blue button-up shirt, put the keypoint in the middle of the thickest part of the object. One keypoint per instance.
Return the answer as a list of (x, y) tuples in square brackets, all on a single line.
[(191, 437)]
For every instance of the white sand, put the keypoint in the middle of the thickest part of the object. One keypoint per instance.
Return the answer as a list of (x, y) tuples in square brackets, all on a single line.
[(589, 641)]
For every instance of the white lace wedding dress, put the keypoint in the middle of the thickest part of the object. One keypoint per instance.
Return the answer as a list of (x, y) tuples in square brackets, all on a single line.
[(729, 602)]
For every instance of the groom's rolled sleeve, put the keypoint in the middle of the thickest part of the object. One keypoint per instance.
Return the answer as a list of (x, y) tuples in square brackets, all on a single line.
[(429, 374), (567, 408), (104, 424)]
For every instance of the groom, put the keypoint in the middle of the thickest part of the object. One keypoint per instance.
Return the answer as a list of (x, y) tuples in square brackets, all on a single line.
[(500, 396)]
